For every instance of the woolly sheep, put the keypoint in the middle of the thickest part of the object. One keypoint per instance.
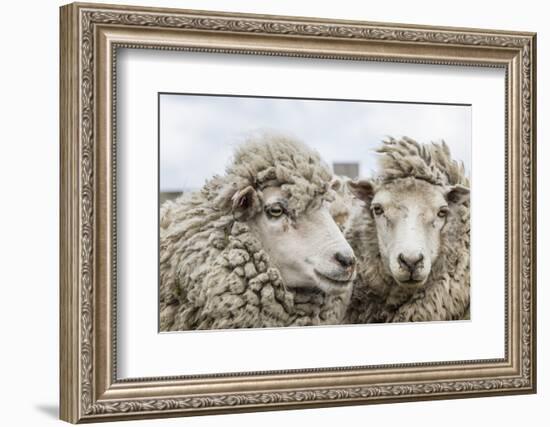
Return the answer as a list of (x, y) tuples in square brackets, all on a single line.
[(256, 247), (345, 204), (412, 238)]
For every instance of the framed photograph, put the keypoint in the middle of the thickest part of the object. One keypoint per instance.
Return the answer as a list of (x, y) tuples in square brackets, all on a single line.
[(267, 212)]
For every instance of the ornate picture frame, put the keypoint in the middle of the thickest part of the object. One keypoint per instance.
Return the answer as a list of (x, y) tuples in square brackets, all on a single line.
[(90, 37)]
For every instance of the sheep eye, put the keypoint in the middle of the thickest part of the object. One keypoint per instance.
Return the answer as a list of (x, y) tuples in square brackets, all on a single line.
[(275, 210), (377, 210), (443, 212)]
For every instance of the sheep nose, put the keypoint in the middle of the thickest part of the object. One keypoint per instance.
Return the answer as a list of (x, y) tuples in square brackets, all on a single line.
[(410, 262), (344, 259)]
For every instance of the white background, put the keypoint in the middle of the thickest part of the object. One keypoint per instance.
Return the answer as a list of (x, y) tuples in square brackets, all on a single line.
[(29, 171), (143, 352)]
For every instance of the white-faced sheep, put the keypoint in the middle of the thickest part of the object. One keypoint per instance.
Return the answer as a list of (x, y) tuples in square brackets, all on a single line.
[(256, 247), (344, 205), (412, 238)]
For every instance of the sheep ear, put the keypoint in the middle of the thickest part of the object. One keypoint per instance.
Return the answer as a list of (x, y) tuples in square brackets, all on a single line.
[(458, 194), (362, 189), (244, 202)]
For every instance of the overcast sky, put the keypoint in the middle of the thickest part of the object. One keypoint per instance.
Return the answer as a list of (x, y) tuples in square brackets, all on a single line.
[(198, 133)]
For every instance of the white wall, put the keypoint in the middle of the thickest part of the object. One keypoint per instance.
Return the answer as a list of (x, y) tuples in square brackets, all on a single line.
[(29, 170)]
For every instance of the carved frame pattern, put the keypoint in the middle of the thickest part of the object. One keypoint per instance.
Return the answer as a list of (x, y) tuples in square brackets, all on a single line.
[(80, 401)]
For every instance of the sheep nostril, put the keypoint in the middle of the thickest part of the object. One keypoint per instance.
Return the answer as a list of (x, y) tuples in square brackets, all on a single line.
[(409, 263), (344, 260)]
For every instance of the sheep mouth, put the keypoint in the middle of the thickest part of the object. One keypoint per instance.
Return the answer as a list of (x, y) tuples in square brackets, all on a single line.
[(336, 281), (411, 282)]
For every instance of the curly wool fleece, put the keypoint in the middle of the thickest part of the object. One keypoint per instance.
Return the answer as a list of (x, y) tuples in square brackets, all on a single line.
[(214, 272), (446, 295)]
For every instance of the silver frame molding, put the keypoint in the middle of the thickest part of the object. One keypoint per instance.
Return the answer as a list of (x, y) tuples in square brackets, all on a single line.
[(90, 37)]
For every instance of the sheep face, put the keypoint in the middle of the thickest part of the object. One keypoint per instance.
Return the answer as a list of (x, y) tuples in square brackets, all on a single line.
[(308, 249), (342, 207), (409, 216)]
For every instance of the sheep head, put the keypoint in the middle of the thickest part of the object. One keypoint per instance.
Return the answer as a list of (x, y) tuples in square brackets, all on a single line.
[(344, 203), (416, 205), (281, 190), (409, 215)]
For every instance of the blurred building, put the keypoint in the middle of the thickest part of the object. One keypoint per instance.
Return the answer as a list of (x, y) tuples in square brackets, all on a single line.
[(351, 170)]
